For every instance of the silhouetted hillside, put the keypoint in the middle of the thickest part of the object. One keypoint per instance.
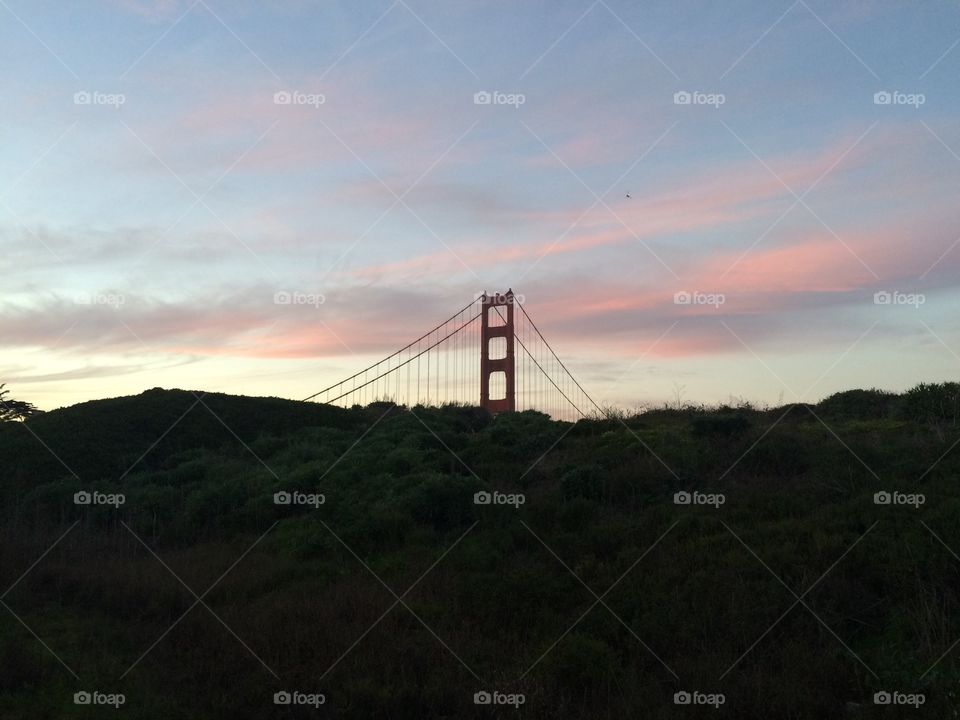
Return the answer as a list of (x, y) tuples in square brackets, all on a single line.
[(99, 440), (693, 526)]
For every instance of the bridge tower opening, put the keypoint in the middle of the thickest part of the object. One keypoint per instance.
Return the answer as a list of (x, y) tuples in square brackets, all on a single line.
[(497, 322)]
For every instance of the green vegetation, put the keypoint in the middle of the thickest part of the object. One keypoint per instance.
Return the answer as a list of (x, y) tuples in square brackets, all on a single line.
[(506, 592), (11, 410)]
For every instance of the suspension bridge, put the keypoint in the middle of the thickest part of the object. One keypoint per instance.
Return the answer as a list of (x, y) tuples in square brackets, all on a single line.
[(489, 353)]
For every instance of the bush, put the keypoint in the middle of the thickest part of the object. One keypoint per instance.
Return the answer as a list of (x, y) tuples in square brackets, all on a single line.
[(936, 402), (720, 426), (858, 404)]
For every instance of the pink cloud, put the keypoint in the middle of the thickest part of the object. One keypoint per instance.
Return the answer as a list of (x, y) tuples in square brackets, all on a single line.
[(728, 197)]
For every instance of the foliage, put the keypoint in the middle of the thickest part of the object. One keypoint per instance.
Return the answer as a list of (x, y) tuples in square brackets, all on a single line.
[(11, 409), (932, 402), (509, 591)]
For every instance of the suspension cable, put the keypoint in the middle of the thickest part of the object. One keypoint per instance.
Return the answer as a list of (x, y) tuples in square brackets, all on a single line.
[(415, 357), (538, 364), (534, 325), (415, 342)]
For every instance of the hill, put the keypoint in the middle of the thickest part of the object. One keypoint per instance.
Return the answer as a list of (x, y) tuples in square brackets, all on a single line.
[(398, 561)]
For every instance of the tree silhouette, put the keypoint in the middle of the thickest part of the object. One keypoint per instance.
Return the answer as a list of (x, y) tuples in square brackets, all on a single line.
[(14, 409)]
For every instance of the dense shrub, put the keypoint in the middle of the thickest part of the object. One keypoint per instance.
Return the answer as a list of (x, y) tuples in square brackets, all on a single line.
[(506, 592), (860, 404), (933, 402)]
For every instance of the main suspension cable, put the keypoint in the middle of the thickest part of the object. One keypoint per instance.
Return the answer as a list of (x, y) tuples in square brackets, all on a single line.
[(415, 357), (576, 382)]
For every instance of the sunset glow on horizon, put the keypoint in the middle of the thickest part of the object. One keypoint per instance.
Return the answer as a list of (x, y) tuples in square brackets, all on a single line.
[(753, 201)]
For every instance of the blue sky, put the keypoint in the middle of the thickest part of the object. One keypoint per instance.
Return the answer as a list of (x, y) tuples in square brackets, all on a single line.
[(145, 232)]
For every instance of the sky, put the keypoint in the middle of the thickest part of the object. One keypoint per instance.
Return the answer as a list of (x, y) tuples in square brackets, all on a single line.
[(699, 201)]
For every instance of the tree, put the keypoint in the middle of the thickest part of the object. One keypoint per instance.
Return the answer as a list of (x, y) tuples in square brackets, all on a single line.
[(14, 409)]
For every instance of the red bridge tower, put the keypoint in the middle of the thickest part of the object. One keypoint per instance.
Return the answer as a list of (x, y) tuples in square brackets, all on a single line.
[(497, 323)]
